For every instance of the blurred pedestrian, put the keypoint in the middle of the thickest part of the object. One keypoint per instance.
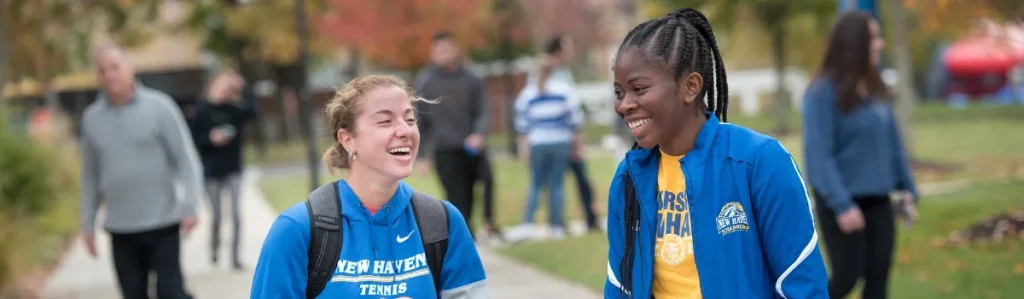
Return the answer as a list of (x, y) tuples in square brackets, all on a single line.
[(216, 129), (855, 158), (559, 50), (135, 145), (548, 119), (700, 208), (376, 239), (454, 130)]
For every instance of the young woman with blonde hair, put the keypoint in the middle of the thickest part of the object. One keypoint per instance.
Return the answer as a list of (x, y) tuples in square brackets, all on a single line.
[(376, 242)]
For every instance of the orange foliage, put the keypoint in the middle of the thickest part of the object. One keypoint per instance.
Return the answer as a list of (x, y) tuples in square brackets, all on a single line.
[(950, 18), (397, 33)]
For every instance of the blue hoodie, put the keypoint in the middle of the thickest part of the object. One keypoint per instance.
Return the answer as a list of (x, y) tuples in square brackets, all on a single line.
[(774, 255), (382, 255)]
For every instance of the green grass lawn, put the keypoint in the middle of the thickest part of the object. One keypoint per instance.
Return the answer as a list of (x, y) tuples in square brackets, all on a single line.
[(985, 140), (922, 269)]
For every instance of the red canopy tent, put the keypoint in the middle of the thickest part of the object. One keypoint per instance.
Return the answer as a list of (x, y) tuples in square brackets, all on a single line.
[(979, 62)]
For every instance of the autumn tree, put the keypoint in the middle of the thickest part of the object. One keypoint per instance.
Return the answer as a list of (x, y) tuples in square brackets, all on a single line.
[(258, 37), (507, 35), (397, 33), (776, 17), (587, 22), (1008, 9), (906, 95), (46, 38)]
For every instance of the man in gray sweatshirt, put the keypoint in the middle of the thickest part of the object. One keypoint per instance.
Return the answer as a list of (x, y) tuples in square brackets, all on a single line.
[(136, 147), (454, 129)]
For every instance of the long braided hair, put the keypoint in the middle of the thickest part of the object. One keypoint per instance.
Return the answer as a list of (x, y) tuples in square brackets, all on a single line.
[(683, 41)]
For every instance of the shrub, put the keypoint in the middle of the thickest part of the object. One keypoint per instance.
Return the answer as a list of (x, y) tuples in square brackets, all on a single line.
[(37, 200)]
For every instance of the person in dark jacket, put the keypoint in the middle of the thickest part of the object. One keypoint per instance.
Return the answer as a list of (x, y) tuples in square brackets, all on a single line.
[(455, 129), (855, 158), (217, 132)]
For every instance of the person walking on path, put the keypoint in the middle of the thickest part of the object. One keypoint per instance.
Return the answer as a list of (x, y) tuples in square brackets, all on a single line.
[(559, 50), (454, 130), (382, 238), (135, 145), (216, 128), (547, 119), (700, 208), (855, 158)]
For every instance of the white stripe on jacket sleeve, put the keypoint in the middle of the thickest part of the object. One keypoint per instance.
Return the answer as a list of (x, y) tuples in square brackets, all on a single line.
[(814, 235), (613, 280)]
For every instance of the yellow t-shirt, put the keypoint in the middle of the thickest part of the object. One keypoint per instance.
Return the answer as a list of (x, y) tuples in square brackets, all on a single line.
[(675, 272)]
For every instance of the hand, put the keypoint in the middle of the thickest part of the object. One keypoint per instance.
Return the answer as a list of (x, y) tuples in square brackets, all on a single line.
[(524, 156), (188, 223), (851, 221), (475, 141), (89, 240), (218, 138), (910, 206)]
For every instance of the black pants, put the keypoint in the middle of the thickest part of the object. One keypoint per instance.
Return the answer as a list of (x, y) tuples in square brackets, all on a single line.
[(458, 172), (486, 176), (137, 254), (586, 193), (864, 254)]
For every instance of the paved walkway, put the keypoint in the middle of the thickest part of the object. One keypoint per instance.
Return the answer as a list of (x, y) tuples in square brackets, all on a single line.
[(82, 277)]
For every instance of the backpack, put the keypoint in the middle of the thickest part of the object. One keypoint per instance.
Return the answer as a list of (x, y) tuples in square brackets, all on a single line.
[(326, 237)]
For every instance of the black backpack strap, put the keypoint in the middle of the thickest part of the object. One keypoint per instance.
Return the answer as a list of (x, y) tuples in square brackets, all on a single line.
[(432, 220), (325, 237)]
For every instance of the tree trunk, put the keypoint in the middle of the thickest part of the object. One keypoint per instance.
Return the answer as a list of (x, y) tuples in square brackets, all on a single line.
[(906, 97), (3, 62), (248, 73), (781, 104), (510, 85), (281, 83)]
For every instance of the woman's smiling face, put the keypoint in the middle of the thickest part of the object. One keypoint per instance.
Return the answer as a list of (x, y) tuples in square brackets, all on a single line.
[(649, 99)]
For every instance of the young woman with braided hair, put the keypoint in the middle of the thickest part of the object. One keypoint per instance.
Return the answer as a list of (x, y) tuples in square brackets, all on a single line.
[(700, 208)]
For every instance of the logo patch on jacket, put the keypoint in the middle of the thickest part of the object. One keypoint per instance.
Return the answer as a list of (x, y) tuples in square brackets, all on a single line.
[(732, 218)]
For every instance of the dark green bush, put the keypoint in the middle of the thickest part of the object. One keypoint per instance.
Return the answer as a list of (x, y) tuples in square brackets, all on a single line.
[(38, 185), (26, 175)]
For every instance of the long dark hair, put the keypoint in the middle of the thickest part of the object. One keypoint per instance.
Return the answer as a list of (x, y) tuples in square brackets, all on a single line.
[(848, 61), (684, 41)]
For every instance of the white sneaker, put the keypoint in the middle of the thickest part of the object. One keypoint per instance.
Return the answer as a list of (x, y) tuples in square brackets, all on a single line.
[(522, 232), (557, 233)]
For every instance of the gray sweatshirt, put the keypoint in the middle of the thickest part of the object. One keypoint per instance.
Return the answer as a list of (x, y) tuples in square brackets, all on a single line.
[(463, 108), (132, 157)]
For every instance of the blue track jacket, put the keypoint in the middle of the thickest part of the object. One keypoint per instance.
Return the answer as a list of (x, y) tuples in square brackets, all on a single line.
[(381, 257), (768, 250)]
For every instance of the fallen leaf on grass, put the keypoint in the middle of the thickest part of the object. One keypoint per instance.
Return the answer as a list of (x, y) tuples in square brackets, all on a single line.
[(956, 265), (1019, 269), (903, 258), (921, 276)]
